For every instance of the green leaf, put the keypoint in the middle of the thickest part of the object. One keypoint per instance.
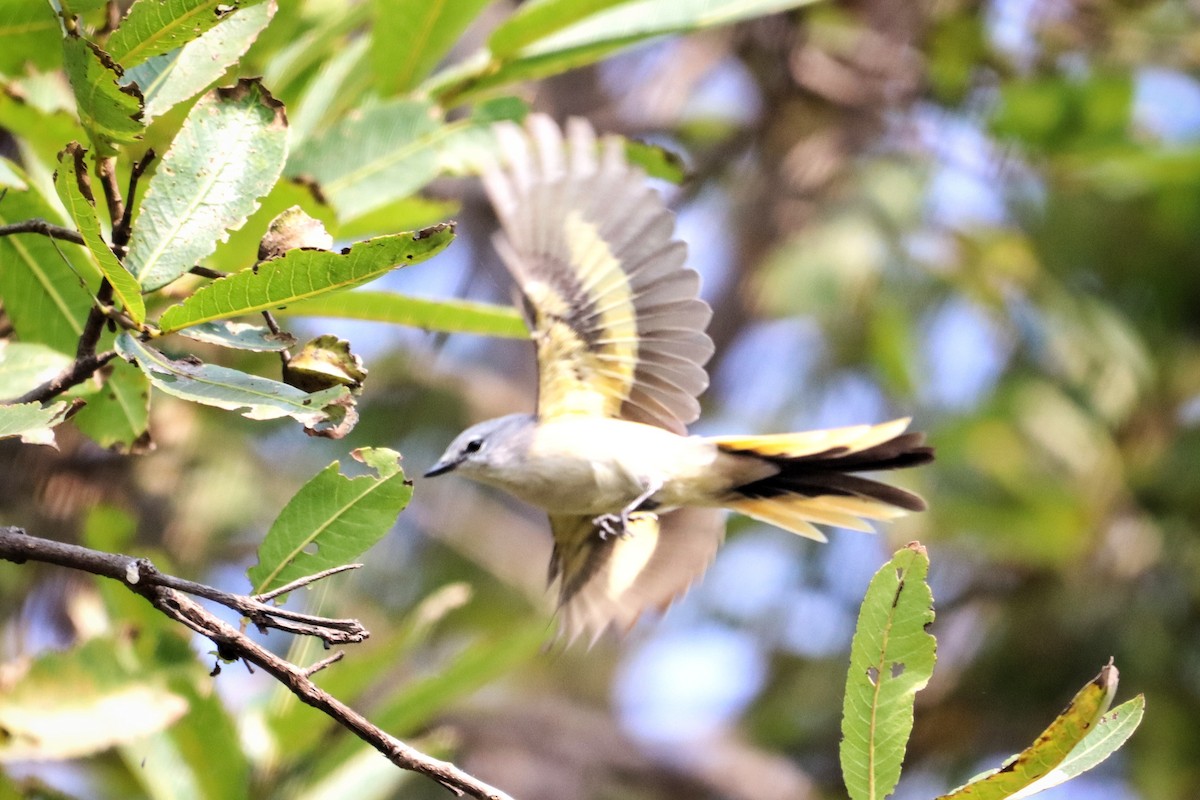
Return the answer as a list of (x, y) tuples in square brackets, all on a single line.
[(1110, 732), (1038, 766), (81, 701), (301, 274), (254, 397), (332, 520), (228, 153), (44, 296), (117, 416), (171, 78), (593, 38), (332, 90), (154, 27), (240, 336), (535, 20), (658, 162), (27, 366), (891, 659), (111, 114), (384, 153), (29, 36), (75, 190), (448, 316), (427, 29), (32, 423)]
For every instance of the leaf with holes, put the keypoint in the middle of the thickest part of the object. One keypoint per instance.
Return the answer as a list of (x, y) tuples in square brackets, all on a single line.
[(154, 27), (111, 114), (1078, 739), (891, 659), (171, 78), (230, 389), (332, 520), (227, 155), (75, 190), (446, 316), (301, 274)]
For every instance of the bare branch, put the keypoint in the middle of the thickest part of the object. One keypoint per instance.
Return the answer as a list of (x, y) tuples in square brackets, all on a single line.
[(123, 227), (205, 272), (44, 228), (313, 669), (166, 593)]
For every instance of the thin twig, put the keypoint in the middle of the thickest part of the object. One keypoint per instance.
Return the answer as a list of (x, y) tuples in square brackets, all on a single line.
[(123, 227), (94, 325), (305, 581), (139, 576), (107, 168), (41, 226), (313, 669), (285, 356)]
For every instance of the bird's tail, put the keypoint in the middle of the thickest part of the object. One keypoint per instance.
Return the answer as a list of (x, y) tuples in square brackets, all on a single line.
[(818, 480)]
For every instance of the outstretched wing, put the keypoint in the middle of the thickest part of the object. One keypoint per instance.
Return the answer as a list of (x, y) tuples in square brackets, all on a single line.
[(616, 316), (614, 580)]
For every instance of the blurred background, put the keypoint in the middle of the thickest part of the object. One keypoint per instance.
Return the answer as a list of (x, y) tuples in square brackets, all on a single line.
[(983, 215)]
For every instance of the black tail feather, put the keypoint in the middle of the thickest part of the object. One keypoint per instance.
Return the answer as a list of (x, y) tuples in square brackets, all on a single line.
[(830, 472)]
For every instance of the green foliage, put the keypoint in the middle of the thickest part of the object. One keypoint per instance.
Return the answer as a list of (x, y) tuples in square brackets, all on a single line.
[(891, 659), (228, 153), (221, 387), (110, 113), (302, 274), (118, 415), (1081, 737), (24, 366), (332, 520), (75, 190), (31, 422), (155, 27), (449, 316)]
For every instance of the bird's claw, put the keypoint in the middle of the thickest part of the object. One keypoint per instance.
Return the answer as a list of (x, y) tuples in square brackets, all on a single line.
[(611, 525)]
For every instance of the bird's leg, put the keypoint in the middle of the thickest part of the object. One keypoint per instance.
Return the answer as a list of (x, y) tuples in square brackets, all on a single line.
[(618, 524)]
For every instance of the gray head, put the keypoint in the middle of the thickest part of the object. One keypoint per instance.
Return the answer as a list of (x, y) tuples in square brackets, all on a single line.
[(485, 447)]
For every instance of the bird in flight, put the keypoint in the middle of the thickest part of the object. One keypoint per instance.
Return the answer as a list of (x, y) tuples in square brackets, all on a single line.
[(635, 504)]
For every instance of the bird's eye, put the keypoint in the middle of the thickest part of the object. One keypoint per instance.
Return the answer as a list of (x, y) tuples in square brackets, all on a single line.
[(474, 445)]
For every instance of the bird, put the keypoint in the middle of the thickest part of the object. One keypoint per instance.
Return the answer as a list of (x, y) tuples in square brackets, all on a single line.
[(635, 504)]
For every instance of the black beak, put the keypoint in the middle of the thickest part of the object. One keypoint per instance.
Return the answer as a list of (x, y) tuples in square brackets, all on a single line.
[(441, 468)]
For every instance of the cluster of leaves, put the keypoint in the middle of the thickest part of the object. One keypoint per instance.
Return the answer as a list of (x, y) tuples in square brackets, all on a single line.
[(892, 658)]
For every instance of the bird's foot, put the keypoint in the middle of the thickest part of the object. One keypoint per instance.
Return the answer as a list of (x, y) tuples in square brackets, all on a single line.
[(618, 524), (612, 525)]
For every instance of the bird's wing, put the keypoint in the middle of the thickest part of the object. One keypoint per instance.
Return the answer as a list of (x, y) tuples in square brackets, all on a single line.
[(612, 581), (616, 316)]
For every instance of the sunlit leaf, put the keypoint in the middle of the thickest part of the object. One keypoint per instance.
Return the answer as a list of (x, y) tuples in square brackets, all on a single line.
[(228, 153), (154, 27), (173, 77), (1032, 770), (449, 316), (108, 703), (301, 274), (533, 21), (891, 659), (250, 395), (427, 28), (75, 190), (332, 520)]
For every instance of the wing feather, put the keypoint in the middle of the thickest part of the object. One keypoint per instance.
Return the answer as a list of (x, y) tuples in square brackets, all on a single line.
[(616, 315)]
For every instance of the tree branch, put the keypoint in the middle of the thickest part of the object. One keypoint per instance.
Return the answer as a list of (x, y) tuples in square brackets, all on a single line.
[(44, 228), (166, 593), (75, 373)]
